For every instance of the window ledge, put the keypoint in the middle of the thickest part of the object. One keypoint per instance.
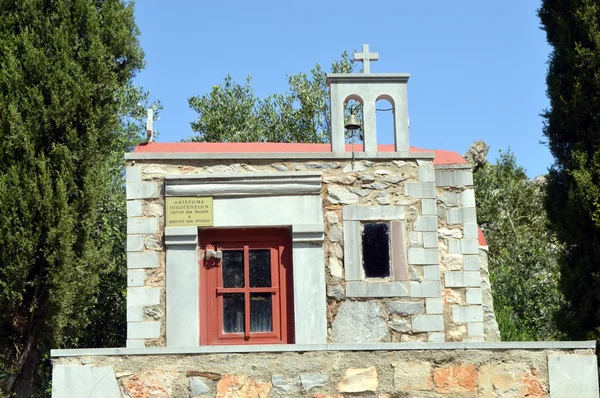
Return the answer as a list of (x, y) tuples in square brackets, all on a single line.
[(377, 289)]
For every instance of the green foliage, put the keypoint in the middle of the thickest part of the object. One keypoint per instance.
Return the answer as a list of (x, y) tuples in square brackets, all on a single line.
[(66, 116), (572, 127), (522, 258), (231, 112)]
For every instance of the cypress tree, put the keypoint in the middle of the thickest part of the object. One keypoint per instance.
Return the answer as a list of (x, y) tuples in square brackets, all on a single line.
[(64, 67), (572, 128)]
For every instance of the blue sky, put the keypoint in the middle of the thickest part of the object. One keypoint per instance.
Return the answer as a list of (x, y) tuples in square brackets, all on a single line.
[(477, 67)]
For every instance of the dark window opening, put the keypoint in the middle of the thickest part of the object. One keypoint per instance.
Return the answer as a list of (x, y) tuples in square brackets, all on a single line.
[(376, 250)]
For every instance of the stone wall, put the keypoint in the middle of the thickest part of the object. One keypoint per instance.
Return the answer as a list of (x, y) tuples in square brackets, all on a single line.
[(439, 299), (342, 371)]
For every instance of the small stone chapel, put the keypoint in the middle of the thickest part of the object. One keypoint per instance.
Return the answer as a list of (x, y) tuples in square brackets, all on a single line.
[(318, 270)]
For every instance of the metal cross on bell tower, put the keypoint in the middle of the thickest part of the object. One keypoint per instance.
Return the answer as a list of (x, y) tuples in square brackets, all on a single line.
[(366, 57)]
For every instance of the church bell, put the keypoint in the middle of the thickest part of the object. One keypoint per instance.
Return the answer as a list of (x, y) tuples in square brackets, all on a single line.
[(352, 123)]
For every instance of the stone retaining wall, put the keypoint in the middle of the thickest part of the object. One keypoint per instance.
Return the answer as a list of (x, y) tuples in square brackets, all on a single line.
[(517, 372)]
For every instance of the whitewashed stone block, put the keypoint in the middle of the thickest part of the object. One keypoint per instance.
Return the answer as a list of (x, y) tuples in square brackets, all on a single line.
[(376, 289), (430, 239), (364, 213), (471, 231), (143, 330), (133, 174), (573, 376), (405, 308), (147, 259), (426, 174), (463, 279), (142, 226), (436, 337), (462, 216), (467, 198), (70, 381), (431, 273), (428, 323), (135, 243), (475, 329), (134, 208), (135, 343), (136, 277), (426, 223), (463, 246), (453, 178), (135, 313), (467, 314), (420, 256), (419, 190), (454, 246), (352, 259), (143, 296), (469, 246), (142, 190), (474, 296), (471, 263), (428, 207), (449, 199), (434, 306), (425, 289)]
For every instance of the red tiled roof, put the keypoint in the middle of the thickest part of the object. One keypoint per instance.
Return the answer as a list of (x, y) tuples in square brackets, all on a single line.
[(441, 156), (481, 238)]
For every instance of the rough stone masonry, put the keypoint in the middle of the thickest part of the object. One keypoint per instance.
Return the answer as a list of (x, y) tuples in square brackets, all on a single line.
[(445, 295)]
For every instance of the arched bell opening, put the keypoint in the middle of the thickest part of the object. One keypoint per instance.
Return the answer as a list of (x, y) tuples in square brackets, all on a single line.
[(353, 122), (385, 120)]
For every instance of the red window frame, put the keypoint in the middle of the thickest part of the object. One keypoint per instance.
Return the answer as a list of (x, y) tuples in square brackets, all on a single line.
[(278, 241)]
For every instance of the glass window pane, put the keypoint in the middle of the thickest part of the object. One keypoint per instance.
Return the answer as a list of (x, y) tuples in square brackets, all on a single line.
[(260, 312), (260, 268), (233, 268), (376, 250), (233, 313)]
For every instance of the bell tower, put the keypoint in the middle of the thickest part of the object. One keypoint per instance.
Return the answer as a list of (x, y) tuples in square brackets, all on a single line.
[(367, 88)]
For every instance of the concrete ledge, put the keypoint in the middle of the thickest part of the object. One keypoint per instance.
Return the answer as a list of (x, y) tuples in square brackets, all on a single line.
[(250, 184), (307, 233), (246, 176), (376, 289), (279, 156), (472, 345), (463, 166), (367, 213), (367, 78)]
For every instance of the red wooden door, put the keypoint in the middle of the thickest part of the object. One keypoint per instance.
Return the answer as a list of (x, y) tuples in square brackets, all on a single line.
[(246, 298)]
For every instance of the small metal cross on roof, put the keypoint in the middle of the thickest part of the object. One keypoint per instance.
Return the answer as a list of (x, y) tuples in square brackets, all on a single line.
[(366, 57)]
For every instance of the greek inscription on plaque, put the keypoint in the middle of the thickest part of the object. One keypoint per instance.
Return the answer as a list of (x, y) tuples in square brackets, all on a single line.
[(189, 212)]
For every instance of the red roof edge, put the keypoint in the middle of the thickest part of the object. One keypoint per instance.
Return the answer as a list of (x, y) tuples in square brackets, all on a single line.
[(441, 156)]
